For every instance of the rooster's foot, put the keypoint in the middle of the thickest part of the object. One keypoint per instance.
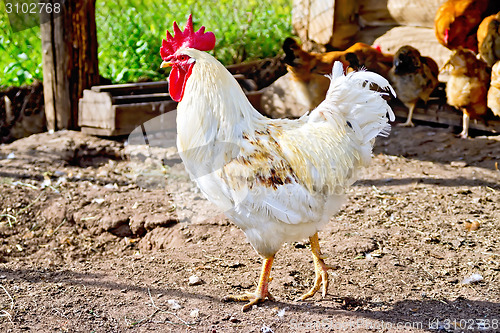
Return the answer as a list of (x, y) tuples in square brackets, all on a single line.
[(261, 293), (252, 299), (321, 280), (320, 268)]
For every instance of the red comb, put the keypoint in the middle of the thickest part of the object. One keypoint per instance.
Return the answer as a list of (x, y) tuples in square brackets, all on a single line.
[(446, 36), (200, 40)]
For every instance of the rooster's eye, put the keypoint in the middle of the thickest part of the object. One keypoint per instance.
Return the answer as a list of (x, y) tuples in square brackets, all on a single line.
[(183, 57)]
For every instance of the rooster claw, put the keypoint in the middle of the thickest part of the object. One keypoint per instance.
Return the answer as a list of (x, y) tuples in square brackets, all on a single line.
[(321, 280), (252, 298), (320, 268)]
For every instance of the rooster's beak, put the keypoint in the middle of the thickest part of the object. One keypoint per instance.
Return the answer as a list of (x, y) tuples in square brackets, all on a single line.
[(165, 64)]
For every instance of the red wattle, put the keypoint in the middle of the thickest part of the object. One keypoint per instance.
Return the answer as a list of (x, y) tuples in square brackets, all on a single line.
[(177, 81)]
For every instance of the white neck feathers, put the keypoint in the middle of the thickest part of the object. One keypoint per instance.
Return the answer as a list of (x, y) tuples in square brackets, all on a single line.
[(213, 106)]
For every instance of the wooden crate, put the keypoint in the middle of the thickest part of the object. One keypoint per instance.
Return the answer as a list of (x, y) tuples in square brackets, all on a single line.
[(114, 110)]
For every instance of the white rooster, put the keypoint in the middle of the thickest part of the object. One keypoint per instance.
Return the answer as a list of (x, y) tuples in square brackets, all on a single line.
[(279, 180)]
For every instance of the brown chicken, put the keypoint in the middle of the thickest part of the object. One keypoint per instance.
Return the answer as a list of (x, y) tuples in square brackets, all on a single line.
[(456, 23), (414, 78), (488, 39), (494, 91), (356, 56), (468, 86), (308, 69)]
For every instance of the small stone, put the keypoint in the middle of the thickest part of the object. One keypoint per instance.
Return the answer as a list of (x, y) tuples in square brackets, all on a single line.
[(194, 280), (471, 226), (98, 200), (195, 313), (458, 164), (473, 278), (174, 305)]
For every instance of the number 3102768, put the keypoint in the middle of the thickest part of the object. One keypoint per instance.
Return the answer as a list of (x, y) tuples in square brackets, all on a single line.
[(33, 8)]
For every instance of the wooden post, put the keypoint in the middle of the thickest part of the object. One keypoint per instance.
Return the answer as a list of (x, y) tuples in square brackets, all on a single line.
[(69, 55)]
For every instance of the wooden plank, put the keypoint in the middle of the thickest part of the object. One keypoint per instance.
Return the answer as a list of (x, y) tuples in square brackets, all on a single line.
[(345, 23), (95, 110), (48, 75), (104, 131), (145, 98), (129, 116), (443, 114), (162, 129), (56, 83), (133, 88), (62, 94), (69, 55), (255, 98), (83, 69)]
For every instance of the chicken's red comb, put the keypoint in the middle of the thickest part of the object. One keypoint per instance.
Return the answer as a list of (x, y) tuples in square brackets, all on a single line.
[(201, 40)]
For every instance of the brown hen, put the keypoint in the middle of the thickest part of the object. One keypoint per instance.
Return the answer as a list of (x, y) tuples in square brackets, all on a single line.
[(456, 23), (468, 86), (488, 38), (494, 91), (357, 56), (308, 69)]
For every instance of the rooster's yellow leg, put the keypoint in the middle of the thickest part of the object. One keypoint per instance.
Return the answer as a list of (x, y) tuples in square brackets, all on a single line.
[(320, 268), (260, 293)]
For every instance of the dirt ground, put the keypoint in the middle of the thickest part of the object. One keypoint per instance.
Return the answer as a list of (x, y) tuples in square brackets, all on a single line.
[(96, 236)]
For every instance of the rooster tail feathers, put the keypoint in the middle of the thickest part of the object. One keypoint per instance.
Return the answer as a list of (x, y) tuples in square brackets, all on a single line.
[(337, 71), (356, 99), (362, 75)]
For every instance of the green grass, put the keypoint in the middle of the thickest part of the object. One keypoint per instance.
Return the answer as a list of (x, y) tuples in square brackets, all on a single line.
[(20, 53), (130, 33)]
